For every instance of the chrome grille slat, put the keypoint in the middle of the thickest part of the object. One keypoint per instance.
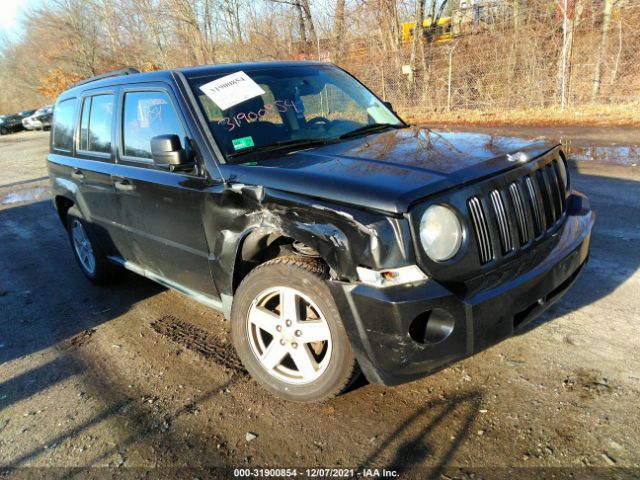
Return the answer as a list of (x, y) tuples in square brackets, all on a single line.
[(521, 217), (554, 184), (561, 187), (547, 196), (536, 206), (481, 227), (503, 223)]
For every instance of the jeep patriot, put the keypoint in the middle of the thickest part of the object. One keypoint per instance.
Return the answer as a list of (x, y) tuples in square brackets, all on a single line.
[(336, 238)]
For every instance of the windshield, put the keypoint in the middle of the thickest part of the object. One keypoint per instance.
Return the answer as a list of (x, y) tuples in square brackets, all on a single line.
[(299, 104)]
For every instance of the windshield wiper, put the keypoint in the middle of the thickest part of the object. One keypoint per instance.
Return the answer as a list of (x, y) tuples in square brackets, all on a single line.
[(374, 127), (300, 142)]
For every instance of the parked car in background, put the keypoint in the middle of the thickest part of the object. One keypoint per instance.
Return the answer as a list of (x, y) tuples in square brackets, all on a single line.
[(26, 114), (40, 119), (10, 123)]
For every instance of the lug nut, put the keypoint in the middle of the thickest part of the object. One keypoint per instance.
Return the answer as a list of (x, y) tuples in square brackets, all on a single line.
[(298, 333), (289, 323), (279, 328)]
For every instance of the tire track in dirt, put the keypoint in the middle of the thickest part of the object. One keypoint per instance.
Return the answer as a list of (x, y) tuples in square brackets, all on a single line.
[(199, 341)]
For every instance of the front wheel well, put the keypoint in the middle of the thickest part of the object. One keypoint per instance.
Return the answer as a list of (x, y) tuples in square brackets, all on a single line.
[(259, 247), (63, 204)]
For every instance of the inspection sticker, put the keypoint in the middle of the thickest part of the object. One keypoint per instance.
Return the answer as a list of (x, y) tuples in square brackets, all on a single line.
[(231, 90), (240, 143)]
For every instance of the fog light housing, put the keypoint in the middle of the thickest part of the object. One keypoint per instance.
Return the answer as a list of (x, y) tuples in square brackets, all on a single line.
[(431, 327)]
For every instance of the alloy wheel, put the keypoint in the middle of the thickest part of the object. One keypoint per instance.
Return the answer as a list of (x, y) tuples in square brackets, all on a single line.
[(289, 335), (82, 246)]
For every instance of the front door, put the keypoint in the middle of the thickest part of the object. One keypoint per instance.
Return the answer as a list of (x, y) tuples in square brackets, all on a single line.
[(160, 211)]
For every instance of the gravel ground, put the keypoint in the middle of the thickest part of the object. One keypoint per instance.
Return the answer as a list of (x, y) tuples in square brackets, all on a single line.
[(142, 380)]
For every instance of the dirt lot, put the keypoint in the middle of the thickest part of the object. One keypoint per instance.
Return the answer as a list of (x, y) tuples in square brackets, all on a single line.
[(139, 378)]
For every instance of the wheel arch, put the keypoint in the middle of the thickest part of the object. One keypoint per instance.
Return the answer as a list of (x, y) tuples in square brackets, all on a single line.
[(63, 205), (259, 245)]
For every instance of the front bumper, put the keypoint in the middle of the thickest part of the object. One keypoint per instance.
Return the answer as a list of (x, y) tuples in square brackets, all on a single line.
[(378, 321)]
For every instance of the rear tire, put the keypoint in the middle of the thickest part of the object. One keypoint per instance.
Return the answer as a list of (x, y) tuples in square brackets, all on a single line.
[(89, 255), (287, 331)]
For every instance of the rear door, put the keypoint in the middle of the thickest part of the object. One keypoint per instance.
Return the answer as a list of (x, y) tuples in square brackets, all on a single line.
[(81, 168), (94, 152), (161, 211)]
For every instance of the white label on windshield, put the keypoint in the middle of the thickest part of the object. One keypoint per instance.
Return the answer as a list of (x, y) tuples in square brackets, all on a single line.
[(231, 90)]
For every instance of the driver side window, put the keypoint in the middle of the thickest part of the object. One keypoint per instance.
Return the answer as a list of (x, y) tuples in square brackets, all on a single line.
[(147, 114)]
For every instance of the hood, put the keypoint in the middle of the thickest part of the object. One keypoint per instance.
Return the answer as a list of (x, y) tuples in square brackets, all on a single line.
[(388, 171)]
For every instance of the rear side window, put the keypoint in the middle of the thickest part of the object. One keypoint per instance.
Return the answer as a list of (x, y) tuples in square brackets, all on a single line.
[(95, 124), (147, 114), (63, 124)]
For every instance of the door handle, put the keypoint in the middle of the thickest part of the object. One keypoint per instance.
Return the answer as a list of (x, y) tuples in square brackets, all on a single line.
[(124, 185), (77, 174)]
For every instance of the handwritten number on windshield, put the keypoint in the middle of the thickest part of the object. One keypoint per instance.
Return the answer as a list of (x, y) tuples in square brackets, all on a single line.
[(280, 106)]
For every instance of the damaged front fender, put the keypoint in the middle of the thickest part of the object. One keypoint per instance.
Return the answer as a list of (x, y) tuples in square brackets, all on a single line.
[(345, 237)]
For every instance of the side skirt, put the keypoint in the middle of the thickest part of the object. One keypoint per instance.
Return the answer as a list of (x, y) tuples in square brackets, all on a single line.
[(223, 307)]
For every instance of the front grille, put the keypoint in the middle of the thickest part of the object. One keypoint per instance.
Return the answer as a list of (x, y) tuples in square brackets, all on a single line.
[(512, 216)]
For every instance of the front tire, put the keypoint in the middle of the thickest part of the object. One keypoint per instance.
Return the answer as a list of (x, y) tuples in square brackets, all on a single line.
[(89, 255), (287, 330)]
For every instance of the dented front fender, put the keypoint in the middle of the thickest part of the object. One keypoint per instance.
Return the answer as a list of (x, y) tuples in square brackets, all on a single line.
[(344, 236)]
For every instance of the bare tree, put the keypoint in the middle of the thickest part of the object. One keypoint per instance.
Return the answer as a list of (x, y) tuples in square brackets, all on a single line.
[(515, 6), (309, 20), (71, 30), (418, 32), (338, 29), (602, 46)]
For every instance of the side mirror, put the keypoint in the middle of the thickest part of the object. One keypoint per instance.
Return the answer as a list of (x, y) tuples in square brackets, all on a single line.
[(389, 106), (166, 150)]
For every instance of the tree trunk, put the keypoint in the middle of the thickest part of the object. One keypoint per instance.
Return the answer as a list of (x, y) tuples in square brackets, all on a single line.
[(417, 33), (301, 24), (338, 30), (391, 27), (434, 17), (604, 34), (309, 21)]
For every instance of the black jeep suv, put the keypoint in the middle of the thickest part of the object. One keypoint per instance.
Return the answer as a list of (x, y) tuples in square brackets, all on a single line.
[(335, 237)]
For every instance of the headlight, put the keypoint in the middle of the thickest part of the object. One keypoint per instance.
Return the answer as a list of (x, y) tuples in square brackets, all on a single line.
[(440, 233)]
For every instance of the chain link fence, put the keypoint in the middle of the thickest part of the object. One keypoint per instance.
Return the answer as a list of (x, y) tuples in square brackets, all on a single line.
[(507, 61)]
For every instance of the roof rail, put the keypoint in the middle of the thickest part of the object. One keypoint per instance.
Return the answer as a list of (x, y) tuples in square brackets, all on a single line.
[(115, 73)]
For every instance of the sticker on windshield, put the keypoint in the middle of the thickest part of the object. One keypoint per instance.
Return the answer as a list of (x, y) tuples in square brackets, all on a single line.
[(231, 90), (240, 143)]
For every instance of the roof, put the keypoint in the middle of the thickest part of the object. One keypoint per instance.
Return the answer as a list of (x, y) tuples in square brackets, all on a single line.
[(189, 72), (222, 68)]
